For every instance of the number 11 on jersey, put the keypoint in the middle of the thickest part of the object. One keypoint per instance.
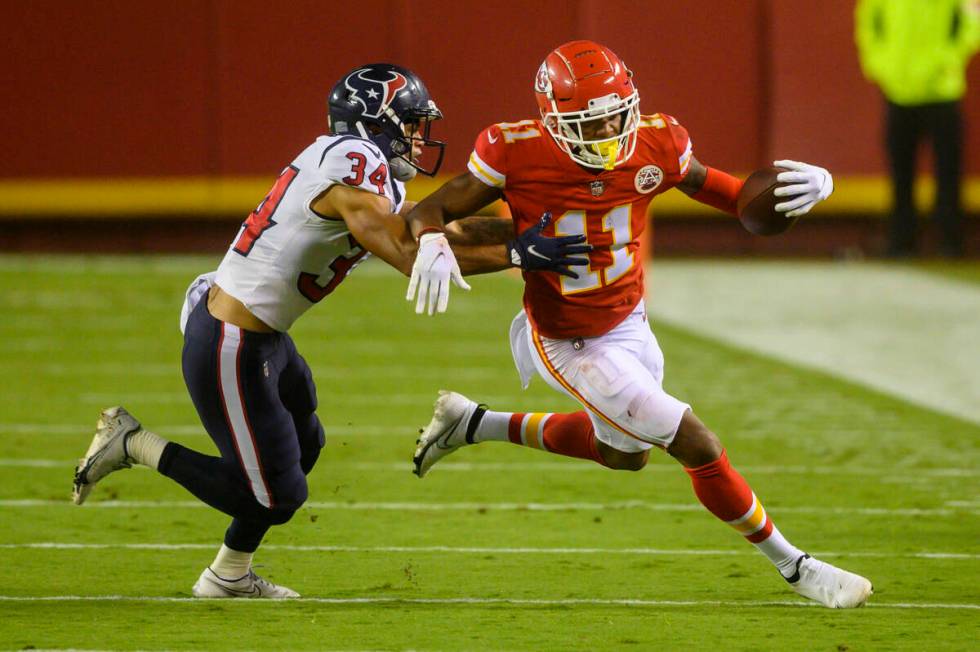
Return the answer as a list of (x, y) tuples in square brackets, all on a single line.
[(618, 223)]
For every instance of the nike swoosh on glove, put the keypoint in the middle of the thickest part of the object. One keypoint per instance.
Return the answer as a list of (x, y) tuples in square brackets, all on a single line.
[(534, 252)]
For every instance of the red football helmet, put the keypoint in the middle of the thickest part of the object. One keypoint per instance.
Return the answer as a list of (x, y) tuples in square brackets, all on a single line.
[(582, 81)]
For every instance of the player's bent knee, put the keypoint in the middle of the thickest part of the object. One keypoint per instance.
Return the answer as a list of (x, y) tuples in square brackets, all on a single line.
[(634, 461), (278, 515), (654, 414), (621, 461), (694, 444), (290, 491)]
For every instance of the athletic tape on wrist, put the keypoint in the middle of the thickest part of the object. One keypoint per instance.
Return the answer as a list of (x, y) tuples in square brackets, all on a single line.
[(427, 230)]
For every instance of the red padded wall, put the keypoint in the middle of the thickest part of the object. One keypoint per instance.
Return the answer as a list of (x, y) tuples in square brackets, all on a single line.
[(109, 88), (236, 87), (276, 64), (699, 66), (479, 61)]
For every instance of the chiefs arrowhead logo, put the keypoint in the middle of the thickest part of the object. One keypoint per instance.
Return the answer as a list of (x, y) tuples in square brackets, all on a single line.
[(542, 82), (648, 178)]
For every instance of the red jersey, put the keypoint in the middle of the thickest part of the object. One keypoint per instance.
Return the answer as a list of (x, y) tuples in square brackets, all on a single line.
[(608, 206)]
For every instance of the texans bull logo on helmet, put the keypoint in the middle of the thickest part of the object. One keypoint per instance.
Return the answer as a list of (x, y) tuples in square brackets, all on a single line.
[(378, 102), (373, 94)]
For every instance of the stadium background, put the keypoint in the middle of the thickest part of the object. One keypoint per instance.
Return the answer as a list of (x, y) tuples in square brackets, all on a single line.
[(133, 115), (846, 392)]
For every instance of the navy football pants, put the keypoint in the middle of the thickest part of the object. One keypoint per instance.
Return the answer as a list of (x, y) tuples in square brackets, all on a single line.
[(256, 398)]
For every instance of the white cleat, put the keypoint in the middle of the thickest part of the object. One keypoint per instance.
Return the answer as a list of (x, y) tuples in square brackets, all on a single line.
[(106, 453), (448, 430), (250, 585), (830, 586)]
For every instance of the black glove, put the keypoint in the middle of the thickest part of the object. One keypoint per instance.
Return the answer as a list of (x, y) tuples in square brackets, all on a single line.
[(534, 252)]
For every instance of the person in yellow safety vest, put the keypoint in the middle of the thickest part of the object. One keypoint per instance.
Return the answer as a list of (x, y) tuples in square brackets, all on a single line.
[(917, 52)]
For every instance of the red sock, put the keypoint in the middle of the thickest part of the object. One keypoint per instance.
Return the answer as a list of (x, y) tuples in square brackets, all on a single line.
[(728, 496), (565, 434)]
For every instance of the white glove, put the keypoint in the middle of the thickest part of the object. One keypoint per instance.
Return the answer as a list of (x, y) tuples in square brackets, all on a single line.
[(811, 184), (434, 266)]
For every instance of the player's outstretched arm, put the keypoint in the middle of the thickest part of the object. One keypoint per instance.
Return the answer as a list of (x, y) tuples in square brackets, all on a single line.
[(381, 232), (711, 186), (371, 222), (479, 242), (459, 197), (487, 244), (531, 250), (387, 236)]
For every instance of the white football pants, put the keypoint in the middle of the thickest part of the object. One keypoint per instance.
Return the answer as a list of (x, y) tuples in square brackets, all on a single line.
[(617, 377)]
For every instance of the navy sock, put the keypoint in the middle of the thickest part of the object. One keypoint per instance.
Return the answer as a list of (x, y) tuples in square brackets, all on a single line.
[(245, 536)]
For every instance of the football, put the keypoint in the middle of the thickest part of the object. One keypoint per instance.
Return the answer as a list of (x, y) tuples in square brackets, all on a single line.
[(756, 203)]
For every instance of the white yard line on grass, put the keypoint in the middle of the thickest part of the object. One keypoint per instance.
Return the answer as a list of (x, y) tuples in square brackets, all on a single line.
[(192, 430), (484, 550), (506, 507), (904, 332), (542, 602)]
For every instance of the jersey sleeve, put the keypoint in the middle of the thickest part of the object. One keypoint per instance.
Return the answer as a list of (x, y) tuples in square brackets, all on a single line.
[(357, 163), (488, 162), (682, 144)]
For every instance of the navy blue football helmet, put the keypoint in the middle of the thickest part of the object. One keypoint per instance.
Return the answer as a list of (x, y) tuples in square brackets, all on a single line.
[(390, 106)]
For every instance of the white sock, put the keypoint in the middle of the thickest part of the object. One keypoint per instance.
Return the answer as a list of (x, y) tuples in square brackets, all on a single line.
[(145, 447), (780, 552), (231, 564), (493, 427)]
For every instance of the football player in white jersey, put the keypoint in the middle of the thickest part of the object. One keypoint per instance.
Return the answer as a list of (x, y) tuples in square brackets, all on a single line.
[(340, 200)]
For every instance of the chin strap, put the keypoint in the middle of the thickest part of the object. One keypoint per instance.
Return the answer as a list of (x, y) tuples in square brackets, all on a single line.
[(720, 190), (362, 131)]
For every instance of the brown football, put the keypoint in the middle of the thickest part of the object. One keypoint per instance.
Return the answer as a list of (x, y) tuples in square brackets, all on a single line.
[(756, 203)]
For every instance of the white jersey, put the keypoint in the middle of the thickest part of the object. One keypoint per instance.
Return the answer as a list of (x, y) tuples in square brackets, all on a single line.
[(286, 256)]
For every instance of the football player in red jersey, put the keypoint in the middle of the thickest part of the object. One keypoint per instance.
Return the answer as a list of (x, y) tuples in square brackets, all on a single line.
[(596, 163)]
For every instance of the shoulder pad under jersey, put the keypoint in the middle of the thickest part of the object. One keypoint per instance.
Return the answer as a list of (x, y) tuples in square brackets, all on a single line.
[(356, 162)]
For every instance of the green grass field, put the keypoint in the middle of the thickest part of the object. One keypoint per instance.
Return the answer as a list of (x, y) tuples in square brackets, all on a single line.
[(499, 548)]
